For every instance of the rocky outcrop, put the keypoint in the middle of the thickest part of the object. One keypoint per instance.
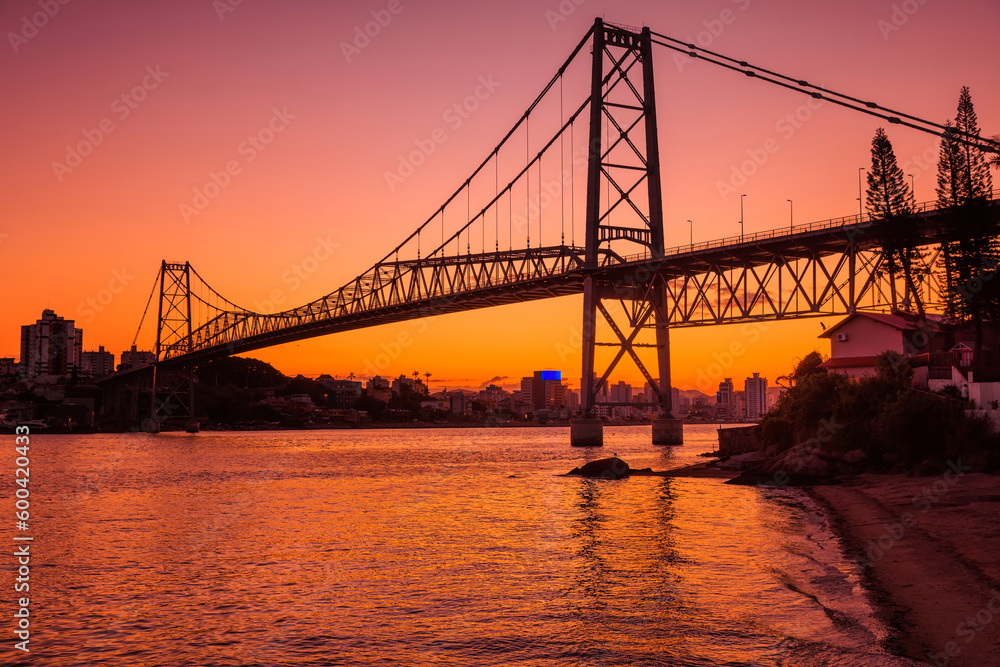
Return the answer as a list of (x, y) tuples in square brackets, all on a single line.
[(610, 468)]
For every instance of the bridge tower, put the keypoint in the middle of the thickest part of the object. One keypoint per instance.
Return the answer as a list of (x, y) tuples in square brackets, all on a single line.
[(172, 397), (624, 212)]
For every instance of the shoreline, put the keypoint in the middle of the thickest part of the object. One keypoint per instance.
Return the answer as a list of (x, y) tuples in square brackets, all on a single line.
[(927, 550)]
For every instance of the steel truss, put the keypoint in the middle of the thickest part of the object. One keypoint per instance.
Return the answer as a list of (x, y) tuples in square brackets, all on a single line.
[(389, 292), (627, 168), (172, 391)]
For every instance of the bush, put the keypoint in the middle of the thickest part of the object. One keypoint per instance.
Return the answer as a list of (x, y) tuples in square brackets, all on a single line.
[(884, 416)]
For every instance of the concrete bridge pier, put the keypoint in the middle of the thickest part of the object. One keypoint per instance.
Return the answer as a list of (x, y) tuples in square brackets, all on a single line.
[(668, 431)]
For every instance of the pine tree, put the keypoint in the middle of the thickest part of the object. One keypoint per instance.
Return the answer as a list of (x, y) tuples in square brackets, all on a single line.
[(976, 175), (951, 166), (970, 252), (890, 205), (888, 195), (994, 159)]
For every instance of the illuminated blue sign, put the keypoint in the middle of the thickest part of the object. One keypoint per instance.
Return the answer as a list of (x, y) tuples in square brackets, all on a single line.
[(552, 375)]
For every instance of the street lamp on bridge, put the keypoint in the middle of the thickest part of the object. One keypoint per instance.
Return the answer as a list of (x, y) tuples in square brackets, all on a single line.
[(791, 215), (860, 200), (692, 234), (741, 217)]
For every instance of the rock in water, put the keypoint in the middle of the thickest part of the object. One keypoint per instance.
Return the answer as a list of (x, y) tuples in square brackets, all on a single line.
[(611, 468)]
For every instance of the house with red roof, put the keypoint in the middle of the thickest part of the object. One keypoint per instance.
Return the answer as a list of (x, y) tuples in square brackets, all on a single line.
[(859, 338)]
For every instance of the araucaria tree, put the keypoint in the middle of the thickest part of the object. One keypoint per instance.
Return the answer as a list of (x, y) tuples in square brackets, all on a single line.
[(971, 253), (890, 205)]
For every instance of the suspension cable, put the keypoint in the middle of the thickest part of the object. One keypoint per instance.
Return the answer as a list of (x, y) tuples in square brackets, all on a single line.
[(817, 92), (148, 301)]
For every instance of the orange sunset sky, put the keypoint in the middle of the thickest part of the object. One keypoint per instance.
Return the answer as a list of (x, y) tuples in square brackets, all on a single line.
[(211, 74)]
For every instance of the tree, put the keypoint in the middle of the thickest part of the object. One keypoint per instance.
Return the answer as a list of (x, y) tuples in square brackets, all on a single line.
[(994, 159), (807, 366), (890, 205), (949, 197), (978, 181), (970, 251)]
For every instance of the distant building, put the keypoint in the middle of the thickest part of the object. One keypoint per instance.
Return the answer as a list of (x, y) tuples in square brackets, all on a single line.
[(621, 392), (8, 366), (97, 364), (341, 394), (544, 390), (492, 396), (526, 391), (739, 406), (50, 346), (134, 358), (404, 383), (755, 394), (726, 398), (457, 403), (572, 401), (379, 388)]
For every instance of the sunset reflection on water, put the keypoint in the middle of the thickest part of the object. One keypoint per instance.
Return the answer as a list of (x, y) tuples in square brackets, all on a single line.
[(441, 546)]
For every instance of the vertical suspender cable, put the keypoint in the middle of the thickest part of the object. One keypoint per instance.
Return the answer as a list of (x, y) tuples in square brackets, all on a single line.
[(527, 180), (562, 170), (572, 184), (496, 193)]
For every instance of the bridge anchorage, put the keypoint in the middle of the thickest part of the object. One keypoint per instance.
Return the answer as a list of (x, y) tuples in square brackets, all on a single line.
[(630, 283)]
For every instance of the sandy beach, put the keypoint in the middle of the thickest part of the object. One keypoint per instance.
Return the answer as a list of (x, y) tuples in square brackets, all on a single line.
[(930, 549)]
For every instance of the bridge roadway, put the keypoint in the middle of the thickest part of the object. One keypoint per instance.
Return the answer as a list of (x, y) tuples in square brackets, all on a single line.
[(410, 289)]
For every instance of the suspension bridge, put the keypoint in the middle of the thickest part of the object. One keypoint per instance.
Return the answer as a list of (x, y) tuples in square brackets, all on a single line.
[(597, 161)]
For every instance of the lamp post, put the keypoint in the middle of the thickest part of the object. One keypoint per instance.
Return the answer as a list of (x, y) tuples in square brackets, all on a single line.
[(913, 187), (741, 217), (860, 201), (692, 234), (791, 216)]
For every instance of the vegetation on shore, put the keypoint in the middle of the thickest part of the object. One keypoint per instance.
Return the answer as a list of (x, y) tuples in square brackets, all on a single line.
[(880, 423)]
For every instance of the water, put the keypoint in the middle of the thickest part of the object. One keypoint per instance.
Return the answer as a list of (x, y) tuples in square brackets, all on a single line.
[(443, 546)]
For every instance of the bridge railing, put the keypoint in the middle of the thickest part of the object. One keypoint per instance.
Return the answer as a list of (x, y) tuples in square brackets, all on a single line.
[(831, 223)]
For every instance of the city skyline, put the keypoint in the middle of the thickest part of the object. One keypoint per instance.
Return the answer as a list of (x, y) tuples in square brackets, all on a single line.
[(161, 119), (86, 360)]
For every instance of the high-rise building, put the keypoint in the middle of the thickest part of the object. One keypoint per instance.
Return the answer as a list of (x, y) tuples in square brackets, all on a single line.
[(132, 358), (621, 392), (544, 390), (755, 392), (97, 364), (739, 407), (725, 397), (572, 401), (527, 397), (50, 346)]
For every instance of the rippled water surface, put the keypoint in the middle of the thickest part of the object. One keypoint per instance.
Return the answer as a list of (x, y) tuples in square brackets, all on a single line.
[(443, 546)]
